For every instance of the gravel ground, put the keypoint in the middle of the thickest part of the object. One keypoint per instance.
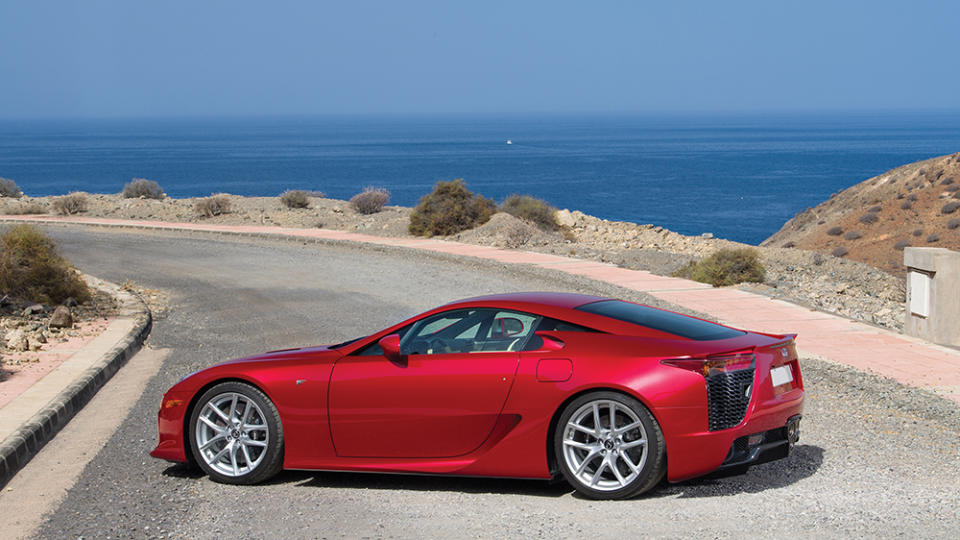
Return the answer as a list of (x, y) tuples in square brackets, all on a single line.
[(875, 458)]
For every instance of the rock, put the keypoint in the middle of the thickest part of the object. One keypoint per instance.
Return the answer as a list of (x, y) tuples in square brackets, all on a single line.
[(17, 340), (70, 302), (33, 309), (565, 218), (61, 318)]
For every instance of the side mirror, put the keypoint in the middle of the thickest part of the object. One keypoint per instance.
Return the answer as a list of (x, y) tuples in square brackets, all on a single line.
[(391, 347)]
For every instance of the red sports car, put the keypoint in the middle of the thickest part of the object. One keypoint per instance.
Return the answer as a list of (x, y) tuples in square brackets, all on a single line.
[(612, 395)]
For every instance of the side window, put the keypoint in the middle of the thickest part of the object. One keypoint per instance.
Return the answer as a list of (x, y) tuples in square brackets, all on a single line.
[(509, 331), (469, 331), (556, 325)]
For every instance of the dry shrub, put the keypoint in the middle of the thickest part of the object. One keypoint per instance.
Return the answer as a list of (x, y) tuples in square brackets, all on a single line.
[(370, 201), (72, 203), (295, 199), (912, 197), (532, 209), (449, 209), (141, 188), (9, 188), (32, 271), (918, 232), (868, 218), (725, 267), (947, 182), (214, 205), (950, 207), (789, 244), (835, 231), (518, 233), (954, 187), (26, 209), (905, 205), (839, 251), (933, 238), (953, 224), (853, 235), (901, 244), (874, 209)]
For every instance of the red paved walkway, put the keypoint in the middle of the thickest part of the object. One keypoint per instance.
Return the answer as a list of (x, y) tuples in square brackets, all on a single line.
[(911, 361)]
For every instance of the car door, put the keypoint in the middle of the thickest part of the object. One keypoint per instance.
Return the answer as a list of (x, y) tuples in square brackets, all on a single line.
[(441, 400)]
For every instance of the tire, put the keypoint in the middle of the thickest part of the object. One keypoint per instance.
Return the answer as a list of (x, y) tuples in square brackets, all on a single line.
[(248, 450), (601, 463)]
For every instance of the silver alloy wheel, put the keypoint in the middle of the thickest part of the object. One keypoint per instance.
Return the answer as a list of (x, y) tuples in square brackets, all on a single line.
[(605, 445), (232, 434)]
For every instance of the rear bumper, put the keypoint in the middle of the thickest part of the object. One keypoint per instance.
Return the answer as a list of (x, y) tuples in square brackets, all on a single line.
[(758, 448), (692, 452)]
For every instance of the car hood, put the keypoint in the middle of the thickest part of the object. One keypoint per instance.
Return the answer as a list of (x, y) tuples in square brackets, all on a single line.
[(242, 368)]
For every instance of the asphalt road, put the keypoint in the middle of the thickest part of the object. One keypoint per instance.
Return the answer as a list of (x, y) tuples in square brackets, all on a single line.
[(874, 459)]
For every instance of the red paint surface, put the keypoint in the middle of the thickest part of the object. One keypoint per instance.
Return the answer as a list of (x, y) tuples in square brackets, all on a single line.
[(489, 413)]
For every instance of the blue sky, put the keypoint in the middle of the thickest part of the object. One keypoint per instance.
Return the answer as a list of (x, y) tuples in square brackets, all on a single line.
[(177, 58)]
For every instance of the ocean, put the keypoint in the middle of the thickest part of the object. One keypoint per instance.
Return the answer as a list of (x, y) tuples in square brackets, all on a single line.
[(737, 176)]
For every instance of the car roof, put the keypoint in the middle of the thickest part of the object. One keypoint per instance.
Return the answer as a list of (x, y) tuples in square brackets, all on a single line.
[(554, 299)]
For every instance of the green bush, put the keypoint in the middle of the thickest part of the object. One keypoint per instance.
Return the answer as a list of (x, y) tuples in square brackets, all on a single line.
[(9, 188), (532, 209), (370, 201), (70, 204), (725, 267), (449, 209), (141, 187), (213, 206), (295, 199), (31, 270)]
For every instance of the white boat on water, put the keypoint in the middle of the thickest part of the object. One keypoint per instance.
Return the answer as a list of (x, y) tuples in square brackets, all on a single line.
[(509, 141)]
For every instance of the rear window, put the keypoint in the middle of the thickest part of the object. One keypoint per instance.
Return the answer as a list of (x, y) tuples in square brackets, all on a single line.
[(657, 319)]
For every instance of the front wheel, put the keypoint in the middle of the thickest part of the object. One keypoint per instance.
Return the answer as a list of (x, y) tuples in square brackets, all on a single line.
[(609, 446), (236, 434)]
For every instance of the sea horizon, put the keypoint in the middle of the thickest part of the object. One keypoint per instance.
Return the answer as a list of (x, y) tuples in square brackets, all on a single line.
[(739, 176)]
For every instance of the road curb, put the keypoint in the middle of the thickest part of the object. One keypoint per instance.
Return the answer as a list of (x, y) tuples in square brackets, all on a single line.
[(24, 443)]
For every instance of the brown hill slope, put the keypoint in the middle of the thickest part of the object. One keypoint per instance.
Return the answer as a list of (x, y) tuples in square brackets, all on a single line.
[(913, 205)]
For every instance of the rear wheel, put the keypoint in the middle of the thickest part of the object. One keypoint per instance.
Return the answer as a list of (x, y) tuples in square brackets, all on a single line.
[(609, 446), (236, 434)]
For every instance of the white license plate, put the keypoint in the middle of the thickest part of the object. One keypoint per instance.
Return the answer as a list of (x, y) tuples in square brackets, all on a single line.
[(781, 375)]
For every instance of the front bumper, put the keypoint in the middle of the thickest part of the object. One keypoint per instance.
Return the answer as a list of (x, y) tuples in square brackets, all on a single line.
[(170, 423)]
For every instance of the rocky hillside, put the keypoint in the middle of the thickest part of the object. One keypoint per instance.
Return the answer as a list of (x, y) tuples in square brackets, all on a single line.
[(836, 284), (913, 205)]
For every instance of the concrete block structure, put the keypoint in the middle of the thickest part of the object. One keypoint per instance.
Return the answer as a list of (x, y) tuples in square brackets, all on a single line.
[(933, 294)]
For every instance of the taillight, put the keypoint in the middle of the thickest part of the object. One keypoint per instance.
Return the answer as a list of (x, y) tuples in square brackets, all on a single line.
[(715, 363)]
